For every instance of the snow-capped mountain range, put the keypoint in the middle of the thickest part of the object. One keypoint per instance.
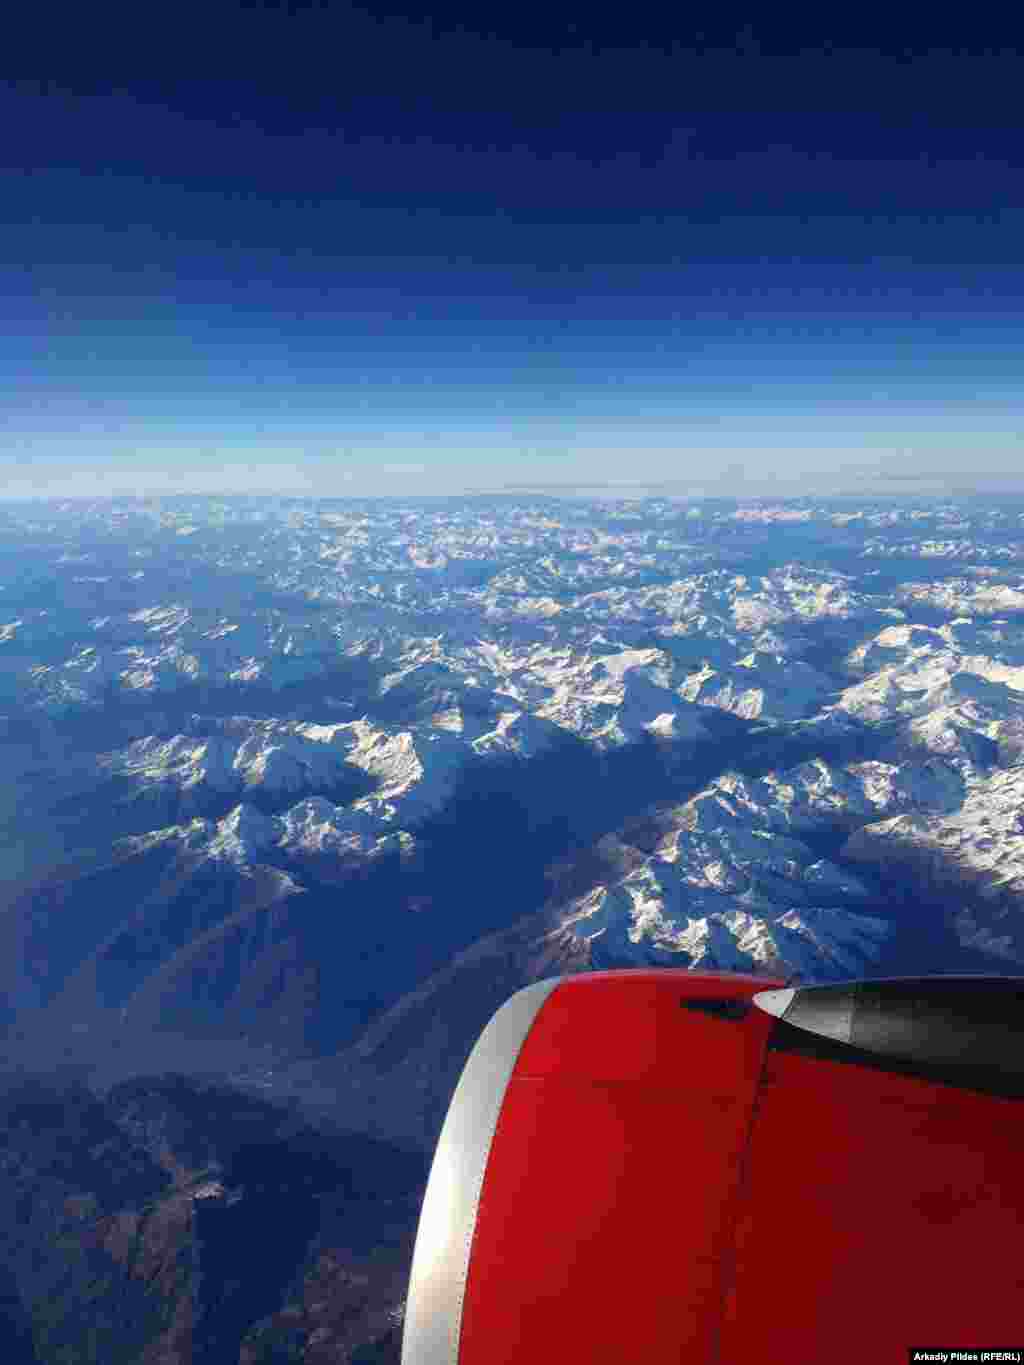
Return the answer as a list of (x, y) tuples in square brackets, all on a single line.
[(824, 697)]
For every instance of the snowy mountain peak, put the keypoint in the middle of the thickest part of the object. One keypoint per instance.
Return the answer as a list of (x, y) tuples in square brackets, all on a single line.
[(243, 835)]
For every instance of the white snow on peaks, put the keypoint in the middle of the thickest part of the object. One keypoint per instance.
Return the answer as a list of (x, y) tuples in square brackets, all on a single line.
[(980, 847), (965, 596), (185, 761), (242, 835), (276, 756), (772, 514), (192, 838), (471, 630), (517, 732), (158, 648), (896, 645), (793, 592), (652, 918), (740, 602), (414, 771), (816, 795), (949, 697), (613, 700), (615, 666), (760, 687), (162, 620), (606, 694), (726, 888), (315, 826), (926, 655), (725, 838)]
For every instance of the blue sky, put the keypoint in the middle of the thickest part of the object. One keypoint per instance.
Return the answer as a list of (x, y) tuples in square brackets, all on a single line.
[(510, 257)]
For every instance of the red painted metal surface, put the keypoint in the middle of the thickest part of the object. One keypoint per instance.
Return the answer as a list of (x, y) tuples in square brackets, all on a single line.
[(605, 1226), (878, 1212), (664, 1187)]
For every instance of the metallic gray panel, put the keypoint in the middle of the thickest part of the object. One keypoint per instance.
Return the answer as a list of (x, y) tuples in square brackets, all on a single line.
[(826, 1011), (440, 1263), (774, 1002)]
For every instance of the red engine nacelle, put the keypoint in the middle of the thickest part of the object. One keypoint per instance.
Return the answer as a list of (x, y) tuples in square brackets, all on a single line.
[(634, 1168)]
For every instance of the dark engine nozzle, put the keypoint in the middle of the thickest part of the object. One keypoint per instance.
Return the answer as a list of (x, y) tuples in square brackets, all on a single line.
[(965, 1030)]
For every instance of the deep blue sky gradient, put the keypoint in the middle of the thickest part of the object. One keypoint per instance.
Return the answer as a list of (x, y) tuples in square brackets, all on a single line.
[(310, 247)]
